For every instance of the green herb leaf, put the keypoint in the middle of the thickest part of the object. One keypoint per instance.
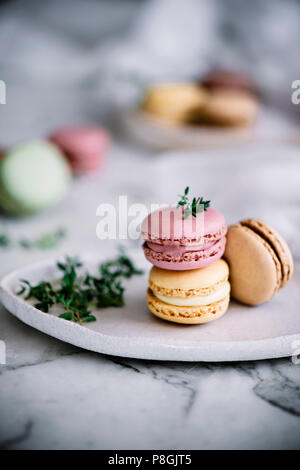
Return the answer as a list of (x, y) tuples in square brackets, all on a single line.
[(66, 315), (192, 208), (5, 241), (77, 293), (89, 319)]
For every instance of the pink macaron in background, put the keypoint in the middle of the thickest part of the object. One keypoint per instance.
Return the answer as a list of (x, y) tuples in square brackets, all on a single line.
[(175, 243), (84, 147)]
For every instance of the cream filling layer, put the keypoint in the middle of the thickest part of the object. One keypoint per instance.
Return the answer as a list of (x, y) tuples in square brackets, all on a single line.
[(197, 300)]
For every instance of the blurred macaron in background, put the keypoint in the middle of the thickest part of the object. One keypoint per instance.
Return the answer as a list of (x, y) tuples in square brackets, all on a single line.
[(228, 80), (34, 176), (85, 148)]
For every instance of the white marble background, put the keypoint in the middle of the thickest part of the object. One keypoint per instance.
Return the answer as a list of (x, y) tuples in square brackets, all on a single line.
[(59, 65)]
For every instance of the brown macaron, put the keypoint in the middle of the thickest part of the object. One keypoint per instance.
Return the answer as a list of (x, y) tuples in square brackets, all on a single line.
[(229, 80), (229, 108), (259, 259)]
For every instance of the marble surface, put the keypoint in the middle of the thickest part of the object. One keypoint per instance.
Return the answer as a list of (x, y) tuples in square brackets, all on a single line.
[(55, 396)]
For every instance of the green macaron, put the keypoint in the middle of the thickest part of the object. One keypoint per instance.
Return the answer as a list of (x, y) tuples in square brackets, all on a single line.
[(34, 176)]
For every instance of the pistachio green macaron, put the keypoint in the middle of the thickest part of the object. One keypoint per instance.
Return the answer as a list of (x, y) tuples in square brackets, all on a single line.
[(34, 176)]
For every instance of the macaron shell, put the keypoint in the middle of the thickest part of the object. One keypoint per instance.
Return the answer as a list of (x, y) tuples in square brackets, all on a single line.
[(166, 226), (255, 271), (190, 280), (186, 315), (190, 260), (187, 293), (77, 140), (277, 243)]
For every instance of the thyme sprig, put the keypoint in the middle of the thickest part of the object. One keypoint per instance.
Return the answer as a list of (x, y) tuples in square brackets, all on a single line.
[(78, 293), (192, 208)]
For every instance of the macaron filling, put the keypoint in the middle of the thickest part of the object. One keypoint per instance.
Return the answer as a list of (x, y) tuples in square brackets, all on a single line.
[(185, 241), (177, 250), (219, 294), (177, 254)]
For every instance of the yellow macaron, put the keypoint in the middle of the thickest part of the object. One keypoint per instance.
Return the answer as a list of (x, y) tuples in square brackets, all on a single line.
[(189, 297), (174, 102)]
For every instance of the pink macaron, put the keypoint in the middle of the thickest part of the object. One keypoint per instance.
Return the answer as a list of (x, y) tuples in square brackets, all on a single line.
[(84, 147), (175, 243)]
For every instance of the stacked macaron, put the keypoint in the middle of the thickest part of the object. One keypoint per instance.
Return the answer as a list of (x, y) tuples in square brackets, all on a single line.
[(175, 243), (229, 108), (189, 283), (191, 297), (232, 99)]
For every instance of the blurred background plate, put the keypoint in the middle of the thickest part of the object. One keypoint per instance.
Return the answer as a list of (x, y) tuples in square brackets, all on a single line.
[(272, 125), (161, 135)]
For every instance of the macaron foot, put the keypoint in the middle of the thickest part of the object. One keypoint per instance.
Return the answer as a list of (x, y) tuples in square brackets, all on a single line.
[(187, 315)]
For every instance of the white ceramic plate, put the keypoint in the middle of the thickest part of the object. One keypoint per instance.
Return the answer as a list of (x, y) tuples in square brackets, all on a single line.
[(243, 333)]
